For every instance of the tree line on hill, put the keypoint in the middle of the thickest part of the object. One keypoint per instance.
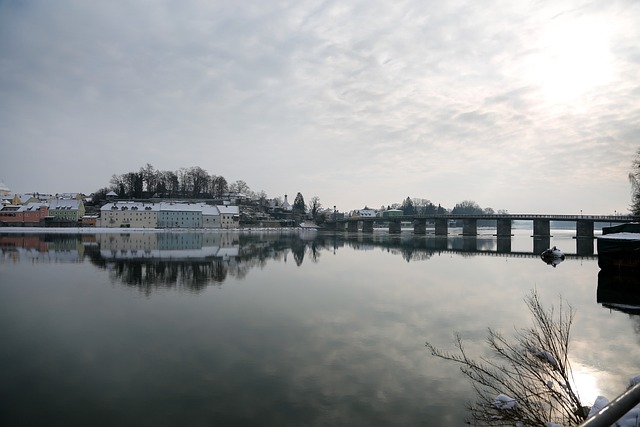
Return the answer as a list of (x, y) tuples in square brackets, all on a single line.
[(196, 183), (192, 182)]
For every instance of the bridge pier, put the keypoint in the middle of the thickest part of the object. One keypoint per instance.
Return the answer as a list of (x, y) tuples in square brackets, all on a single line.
[(584, 247), (584, 228), (441, 243), (470, 244), (503, 228), (367, 226), (470, 227), (352, 226), (442, 227), (504, 244), (395, 227), (541, 243), (541, 228), (420, 226)]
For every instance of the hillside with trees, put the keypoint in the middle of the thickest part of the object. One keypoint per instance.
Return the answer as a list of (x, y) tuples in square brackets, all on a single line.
[(196, 183)]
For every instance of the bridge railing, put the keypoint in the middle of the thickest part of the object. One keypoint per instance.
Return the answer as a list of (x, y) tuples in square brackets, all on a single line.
[(551, 217), (616, 409)]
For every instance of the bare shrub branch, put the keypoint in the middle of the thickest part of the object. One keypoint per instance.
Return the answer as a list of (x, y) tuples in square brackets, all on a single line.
[(528, 380)]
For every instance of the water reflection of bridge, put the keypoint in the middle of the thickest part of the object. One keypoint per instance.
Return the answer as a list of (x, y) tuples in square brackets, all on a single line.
[(464, 244), (511, 254), (503, 222)]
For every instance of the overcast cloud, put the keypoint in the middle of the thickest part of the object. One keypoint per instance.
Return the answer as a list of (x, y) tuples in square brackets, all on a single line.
[(528, 106)]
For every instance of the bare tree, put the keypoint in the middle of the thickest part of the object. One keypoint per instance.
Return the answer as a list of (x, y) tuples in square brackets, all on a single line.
[(634, 179), (529, 381), (467, 207), (150, 178), (239, 186), (314, 206), (199, 181), (219, 186)]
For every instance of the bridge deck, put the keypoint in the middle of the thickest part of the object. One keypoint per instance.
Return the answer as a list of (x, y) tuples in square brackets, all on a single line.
[(524, 217)]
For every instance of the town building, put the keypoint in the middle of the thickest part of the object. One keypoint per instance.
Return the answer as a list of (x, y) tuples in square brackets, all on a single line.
[(129, 214), (390, 213), (66, 210), (29, 214), (286, 206), (229, 216), (167, 215), (89, 220), (363, 213), (180, 215)]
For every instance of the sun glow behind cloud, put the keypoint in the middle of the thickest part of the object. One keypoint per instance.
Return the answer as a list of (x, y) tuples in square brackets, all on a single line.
[(574, 58)]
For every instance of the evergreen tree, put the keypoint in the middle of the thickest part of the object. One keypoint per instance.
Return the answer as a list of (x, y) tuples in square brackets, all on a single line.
[(407, 206), (299, 206)]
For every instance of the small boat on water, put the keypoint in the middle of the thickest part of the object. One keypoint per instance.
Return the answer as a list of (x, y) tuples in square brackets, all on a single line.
[(619, 247), (552, 256)]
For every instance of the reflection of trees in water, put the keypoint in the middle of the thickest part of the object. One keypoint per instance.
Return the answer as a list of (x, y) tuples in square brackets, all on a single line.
[(409, 248), (298, 248), (148, 275), (254, 250)]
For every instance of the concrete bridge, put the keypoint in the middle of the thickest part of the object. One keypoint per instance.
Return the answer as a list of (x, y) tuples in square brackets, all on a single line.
[(541, 223)]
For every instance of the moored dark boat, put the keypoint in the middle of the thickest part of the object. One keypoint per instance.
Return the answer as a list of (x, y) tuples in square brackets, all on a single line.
[(619, 290), (619, 247)]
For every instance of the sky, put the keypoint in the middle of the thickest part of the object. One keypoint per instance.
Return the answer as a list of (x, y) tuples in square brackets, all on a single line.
[(528, 106)]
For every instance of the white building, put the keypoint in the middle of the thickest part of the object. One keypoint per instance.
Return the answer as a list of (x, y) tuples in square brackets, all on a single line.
[(129, 214), (210, 216), (229, 216), (363, 213), (286, 206), (180, 215), (168, 215)]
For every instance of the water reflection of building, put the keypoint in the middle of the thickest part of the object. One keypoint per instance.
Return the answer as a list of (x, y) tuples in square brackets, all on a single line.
[(167, 246), (41, 248)]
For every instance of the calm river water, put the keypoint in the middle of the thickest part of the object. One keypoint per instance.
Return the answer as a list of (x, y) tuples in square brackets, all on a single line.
[(279, 328)]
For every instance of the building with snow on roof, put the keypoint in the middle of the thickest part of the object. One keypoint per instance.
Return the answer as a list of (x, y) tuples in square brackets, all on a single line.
[(129, 214), (229, 217), (179, 215), (19, 215), (363, 213), (167, 215), (66, 210)]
